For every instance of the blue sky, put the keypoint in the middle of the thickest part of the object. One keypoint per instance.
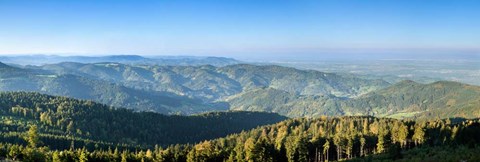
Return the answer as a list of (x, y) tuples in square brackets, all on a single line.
[(238, 27)]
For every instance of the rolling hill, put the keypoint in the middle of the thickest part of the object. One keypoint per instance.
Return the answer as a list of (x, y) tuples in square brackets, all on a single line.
[(62, 120), (442, 99), (287, 91), (406, 99), (17, 79), (211, 83)]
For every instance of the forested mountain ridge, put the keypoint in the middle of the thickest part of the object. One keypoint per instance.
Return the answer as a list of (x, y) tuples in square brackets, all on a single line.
[(285, 103), (34, 80), (183, 89), (216, 83), (61, 120), (406, 99), (288, 91), (442, 99)]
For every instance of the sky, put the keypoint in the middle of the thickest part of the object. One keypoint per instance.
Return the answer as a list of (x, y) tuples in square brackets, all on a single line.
[(239, 27)]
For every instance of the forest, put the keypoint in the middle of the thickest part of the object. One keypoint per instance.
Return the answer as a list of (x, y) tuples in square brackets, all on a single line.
[(322, 139), (33, 125), (63, 122)]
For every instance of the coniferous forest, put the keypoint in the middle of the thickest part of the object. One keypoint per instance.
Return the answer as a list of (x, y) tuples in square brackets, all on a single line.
[(38, 127)]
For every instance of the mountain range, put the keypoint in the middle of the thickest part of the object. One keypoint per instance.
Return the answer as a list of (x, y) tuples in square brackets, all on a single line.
[(406, 99), (287, 91), (17, 79), (40, 59)]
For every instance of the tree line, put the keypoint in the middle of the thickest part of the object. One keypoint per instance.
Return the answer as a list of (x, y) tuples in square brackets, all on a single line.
[(319, 139), (62, 121)]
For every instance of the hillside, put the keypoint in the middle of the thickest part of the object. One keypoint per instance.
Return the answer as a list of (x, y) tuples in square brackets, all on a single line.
[(441, 99), (338, 139), (287, 91), (17, 79), (406, 99), (217, 83), (285, 103), (302, 82), (61, 120), (293, 140)]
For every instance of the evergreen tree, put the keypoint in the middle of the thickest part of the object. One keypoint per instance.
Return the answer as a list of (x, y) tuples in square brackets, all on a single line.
[(32, 136)]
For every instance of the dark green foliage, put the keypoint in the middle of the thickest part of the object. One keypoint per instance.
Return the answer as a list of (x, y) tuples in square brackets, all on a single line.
[(62, 120), (308, 139), (296, 140)]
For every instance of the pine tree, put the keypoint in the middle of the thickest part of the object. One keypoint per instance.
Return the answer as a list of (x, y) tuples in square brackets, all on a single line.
[(56, 157), (124, 156), (83, 157), (362, 146), (32, 137), (418, 135), (326, 147), (380, 144)]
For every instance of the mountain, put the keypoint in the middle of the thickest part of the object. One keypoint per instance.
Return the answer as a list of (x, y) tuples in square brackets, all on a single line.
[(238, 87), (17, 79), (217, 83), (61, 120), (127, 59), (285, 103), (287, 91), (440, 99), (406, 99), (303, 82)]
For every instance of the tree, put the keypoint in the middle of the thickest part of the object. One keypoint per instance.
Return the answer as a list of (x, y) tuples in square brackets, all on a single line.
[(70, 127), (362, 146), (338, 142), (418, 135), (14, 152), (56, 157), (399, 134), (124, 156), (349, 148), (380, 144), (83, 157), (290, 147), (32, 136), (251, 152), (149, 154), (326, 147), (402, 135), (296, 148)]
